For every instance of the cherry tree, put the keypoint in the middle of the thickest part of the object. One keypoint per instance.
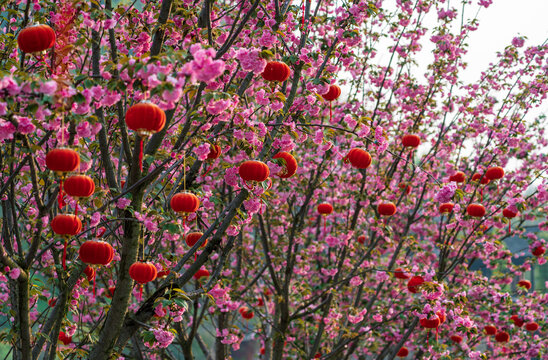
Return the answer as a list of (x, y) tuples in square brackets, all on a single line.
[(178, 176)]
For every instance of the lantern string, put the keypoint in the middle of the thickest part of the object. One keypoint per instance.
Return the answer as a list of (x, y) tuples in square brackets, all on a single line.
[(141, 153), (60, 196), (184, 171), (330, 113), (65, 255)]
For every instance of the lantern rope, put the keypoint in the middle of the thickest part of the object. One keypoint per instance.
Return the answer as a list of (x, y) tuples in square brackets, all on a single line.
[(141, 153), (65, 254)]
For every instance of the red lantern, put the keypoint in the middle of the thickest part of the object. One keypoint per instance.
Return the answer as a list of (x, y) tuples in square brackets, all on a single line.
[(490, 330), (36, 38), (90, 273), (66, 225), (79, 186), (333, 93), (325, 209), (143, 272), (475, 210), (517, 321), (482, 179), (400, 274), (165, 272), (289, 164), (201, 273), (145, 119), (184, 203), (507, 213), (96, 252), (502, 336), (62, 160), (446, 208), (456, 339), (531, 326), (193, 237), (358, 158), (214, 152), (65, 339), (276, 71), (361, 239), (494, 173), (386, 209), (246, 313), (253, 170), (431, 323), (538, 251), (405, 187), (403, 352), (441, 316), (526, 284), (411, 140), (414, 283), (458, 177)]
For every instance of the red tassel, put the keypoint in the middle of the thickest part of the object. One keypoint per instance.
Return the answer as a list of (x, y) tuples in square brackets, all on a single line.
[(76, 209), (208, 170), (509, 225), (437, 329), (324, 223), (141, 292), (60, 196), (427, 338), (330, 114), (141, 153), (95, 277), (65, 255), (303, 12), (481, 193)]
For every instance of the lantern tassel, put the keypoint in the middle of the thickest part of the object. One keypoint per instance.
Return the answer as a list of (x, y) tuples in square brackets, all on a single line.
[(60, 196), (427, 338), (140, 292), (509, 225), (330, 113), (65, 255), (481, 195), (208, 170), (76, 208), (324, 224), (141, 153), (94, 281), (303, 12), (437, 330)]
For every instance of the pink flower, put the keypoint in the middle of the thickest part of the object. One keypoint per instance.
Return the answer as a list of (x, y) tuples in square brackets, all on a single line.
[(164, 338), (25, 125), (202, 151), (446, 192), (83, 129), (6, 130), (518, 41), (215, 107), (14, 273), (250, 60), (231, 176), (203, 67), (122, 203), (49, 87)]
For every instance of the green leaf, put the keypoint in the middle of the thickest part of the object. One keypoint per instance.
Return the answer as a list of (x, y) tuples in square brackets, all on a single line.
[(79, 98)]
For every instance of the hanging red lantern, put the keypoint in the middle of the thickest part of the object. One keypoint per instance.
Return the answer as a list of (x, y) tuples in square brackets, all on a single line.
[(482, 179), (192, 238), (90, 273), (214, 152), (142, 272), (411, 140), (358, 158), (494, 173), (66, 225), (517, 320), (458, 177), (333, 93), (361, 239), (538, 251), (386, 209), (441, 316), (400, 274), (325, 209), (65, 339), (414, 283), (145, 119), (79, 186), (475, 210), (289, 164), (96, 252), (276, 71), (184, 203), (526, 284), (509, 214), (246, 313), (201, 273), (446, 208), (36, 38), (431, 323), (402, 352), (456, 339), (254, 171), (490, 330), (531, 326), (62, 161), (502, 336), (405, 187)]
